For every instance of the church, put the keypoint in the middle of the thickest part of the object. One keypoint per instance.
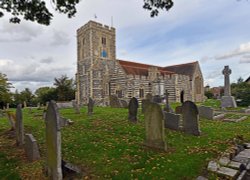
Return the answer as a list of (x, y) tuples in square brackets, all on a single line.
[(100, 74)]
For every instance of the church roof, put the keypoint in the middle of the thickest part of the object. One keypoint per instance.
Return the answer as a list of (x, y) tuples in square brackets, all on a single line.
[(186, 69), (248, 79), (135, 68)]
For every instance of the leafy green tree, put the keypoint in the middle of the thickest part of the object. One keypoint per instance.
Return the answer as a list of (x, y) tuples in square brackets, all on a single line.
[(209, 94), (5, 95), (36, 10), (241, 90), (65, 88), (45, 94)]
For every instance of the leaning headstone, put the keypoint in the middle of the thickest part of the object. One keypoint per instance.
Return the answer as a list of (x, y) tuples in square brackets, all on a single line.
[(172, 121), (53, 142), (227, 100), (154, 126), (190, 116), (19, 126), (206, 112), (132, 110), (90, 106), (11, 119), (31, 148)]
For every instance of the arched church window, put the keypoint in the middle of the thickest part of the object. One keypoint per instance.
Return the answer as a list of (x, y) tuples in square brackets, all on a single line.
[(141, 93), (104, 54)]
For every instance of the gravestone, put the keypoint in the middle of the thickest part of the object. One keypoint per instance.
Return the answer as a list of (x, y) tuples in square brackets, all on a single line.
[(76, 107), (149, 97), (227, 100), (190, 116), (38, 105), (31, 148), (167, 107), (145, 102), (157, 99), (172, 121), (53, 142), (114, 101), (7, 105), (154, 126), (123, 103), (24, 104), (206, 112), (11, 120), (132, 110), (90, 106), (19, 126)]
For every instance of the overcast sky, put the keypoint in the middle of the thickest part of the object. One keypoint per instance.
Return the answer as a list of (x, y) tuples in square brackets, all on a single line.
[(215, 34)]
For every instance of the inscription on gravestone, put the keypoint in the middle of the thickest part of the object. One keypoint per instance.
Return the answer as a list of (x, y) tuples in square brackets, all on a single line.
[(53, 142)]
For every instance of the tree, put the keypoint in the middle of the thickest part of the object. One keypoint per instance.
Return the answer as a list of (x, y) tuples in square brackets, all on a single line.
[(5, 95), (241, 91), (65, 88), (45, 94), (36, 10)]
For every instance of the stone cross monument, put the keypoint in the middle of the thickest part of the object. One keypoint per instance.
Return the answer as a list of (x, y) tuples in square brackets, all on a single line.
[(227, 100), (167, 108)]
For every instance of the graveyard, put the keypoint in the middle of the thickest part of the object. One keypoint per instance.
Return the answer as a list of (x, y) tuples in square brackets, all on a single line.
[(104, 144)]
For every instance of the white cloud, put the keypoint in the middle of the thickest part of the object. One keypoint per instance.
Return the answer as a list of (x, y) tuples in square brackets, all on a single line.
[(60, 38), (242, 50)]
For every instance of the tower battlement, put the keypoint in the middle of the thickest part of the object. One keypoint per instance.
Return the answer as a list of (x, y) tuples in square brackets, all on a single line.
[(96, 25)]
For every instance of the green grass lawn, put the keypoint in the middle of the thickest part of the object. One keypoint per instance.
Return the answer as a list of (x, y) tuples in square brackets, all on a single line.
[(106, 146)]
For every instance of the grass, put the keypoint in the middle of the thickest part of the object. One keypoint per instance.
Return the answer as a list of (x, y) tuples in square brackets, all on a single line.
[(106, 146)]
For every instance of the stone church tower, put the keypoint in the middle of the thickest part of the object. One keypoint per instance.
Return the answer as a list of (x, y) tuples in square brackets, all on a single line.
[(100, 74), (96, 55)]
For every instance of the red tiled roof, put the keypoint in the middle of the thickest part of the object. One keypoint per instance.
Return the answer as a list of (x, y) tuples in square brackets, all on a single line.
[(135, 68)]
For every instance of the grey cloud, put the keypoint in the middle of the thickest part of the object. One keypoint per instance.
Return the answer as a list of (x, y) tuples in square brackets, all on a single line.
[(60, 38), (24, 32), (47, 60), (244, 61), (214, 74)]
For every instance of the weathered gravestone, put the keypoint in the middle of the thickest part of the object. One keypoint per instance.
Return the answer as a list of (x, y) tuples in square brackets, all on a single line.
[(172, 121), (145, 102), (11, 118), (76, 107), (19, 126), (31, 148), (114, 101), (132, 110), (7, 105), (206, 112), (167, 107), (154, 126), (123, 103), (24, 104), (157, 99), (90, 106), (190, 116), (53, 142)]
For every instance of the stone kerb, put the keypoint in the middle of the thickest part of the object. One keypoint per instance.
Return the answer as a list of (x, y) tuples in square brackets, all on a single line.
[(154, 126), (31, 148), (172, 121), (19, 126), (53, 142), (190, 116), (206, 112)]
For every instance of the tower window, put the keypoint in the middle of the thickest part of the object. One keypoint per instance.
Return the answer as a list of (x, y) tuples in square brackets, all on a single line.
[(104, 54), (103, 41), (141, 93)]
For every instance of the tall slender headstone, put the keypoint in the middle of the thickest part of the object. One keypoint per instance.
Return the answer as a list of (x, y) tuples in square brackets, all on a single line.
[(167, 107), (24, 104), (132, 110), (154, 124), (190, 116), (7, 105), (227, 100), (19, 126), (90, 106), (53, 142), (76, 107)]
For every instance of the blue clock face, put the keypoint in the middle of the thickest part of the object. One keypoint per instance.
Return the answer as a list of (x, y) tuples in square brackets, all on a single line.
[(104, 54)]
